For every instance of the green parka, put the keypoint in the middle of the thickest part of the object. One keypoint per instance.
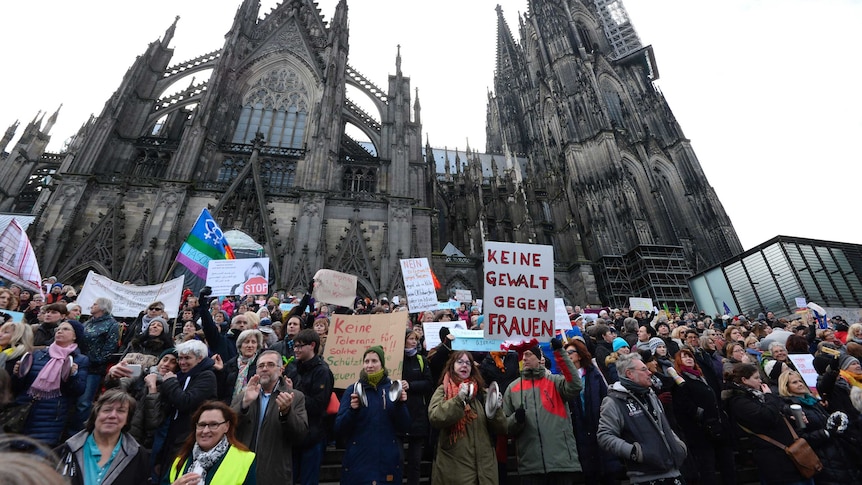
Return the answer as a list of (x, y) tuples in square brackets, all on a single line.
[(471, 459)]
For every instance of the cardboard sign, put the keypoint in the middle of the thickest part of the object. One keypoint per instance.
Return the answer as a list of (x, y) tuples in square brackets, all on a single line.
[(801, 303), (335, 288), (418, 285), (130, 300), (519, 291), (561, 316), (474, 341), (351, 335), (238, 276), (642, 304), (805, 364), (465, 296)]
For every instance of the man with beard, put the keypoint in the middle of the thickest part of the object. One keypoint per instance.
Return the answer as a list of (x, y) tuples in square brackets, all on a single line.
[(272, 420)]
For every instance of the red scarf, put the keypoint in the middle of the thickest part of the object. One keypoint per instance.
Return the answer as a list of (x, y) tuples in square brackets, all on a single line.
[(459, 429)]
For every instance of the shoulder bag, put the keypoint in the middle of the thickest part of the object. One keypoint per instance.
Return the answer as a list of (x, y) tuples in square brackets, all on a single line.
[(799, 451)]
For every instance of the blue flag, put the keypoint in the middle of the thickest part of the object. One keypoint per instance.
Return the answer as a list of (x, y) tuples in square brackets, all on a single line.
[(726, 308)]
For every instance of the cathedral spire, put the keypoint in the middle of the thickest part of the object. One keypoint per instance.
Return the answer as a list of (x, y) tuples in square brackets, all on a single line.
[(169, 34), (7, 137), (51, 121), (398, 62), (507, 58), (416, 108)]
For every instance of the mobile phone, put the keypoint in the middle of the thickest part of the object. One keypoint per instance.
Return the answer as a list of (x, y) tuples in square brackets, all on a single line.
[(136, 370)]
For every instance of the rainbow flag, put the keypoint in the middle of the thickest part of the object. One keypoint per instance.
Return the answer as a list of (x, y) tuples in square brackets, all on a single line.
[(205, 242)]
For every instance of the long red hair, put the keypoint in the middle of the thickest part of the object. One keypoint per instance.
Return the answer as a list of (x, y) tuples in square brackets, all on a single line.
[(229, 416)]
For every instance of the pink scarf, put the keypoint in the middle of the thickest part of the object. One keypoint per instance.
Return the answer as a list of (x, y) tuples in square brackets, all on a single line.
[(47, 383)]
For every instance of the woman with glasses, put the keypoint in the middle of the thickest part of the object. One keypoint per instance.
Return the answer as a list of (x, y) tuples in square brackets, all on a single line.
[(370, 422), (465, 452), (213, 455)]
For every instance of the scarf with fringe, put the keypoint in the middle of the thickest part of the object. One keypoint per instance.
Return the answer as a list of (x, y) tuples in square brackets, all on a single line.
[(459, 429), (47, 383)]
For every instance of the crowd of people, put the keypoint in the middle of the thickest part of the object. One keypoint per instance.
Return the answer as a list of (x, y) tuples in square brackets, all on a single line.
[(235, 391)]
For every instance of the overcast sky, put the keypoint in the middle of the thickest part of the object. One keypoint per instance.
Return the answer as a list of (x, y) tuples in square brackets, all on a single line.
[(767, 90)]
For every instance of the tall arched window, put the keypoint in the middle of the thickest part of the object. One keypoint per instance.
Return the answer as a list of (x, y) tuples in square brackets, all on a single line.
[(277, 106)]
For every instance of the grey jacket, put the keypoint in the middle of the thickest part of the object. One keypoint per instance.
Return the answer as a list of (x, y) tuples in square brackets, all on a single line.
[(626, 424), (130, 466), (276, 437)]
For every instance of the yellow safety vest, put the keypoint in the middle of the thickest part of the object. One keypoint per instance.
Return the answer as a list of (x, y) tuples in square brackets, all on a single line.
[(231, 471)]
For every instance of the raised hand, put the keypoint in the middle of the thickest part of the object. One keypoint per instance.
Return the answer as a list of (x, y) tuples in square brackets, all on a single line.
[(120, 370), (218, 364), (252, 391)]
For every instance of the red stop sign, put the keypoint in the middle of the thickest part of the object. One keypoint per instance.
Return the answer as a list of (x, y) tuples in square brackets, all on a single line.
[(256, 285)]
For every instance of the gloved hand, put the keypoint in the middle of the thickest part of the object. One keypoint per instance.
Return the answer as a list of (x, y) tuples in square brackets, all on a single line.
[(665, 397), (556, 344), (463, 391), (204, 297), (837, 422), (520, 415), (310, 287)]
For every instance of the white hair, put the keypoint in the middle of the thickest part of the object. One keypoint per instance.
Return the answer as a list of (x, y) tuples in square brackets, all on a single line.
[(250, 332), (196, 347)]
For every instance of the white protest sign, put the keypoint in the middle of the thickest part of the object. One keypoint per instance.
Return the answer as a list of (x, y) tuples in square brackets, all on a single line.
[(432, 333), (805, 364), (238, 276), (418, 285), (561, 316), (474, 341), (335, 288), (519, 291), (642, 304), (801, 303), (130, 300), (465, 296)]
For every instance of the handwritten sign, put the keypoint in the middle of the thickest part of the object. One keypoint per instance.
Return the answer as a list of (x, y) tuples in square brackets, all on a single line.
[(642, 304), (418, 285), (238, 276), (474, 341), (519, 291), (351, 335), (801, 303), (335, 288), (465, 296), (805, 364), (130, 300)]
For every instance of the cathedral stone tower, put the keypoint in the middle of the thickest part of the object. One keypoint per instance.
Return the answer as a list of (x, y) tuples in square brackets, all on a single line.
[(262, 143), (588, 158)]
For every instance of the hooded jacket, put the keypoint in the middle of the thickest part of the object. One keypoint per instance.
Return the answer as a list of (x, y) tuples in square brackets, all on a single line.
[(545, 441), (627, 423)]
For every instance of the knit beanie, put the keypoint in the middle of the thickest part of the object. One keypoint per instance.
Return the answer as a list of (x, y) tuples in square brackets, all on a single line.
[(379, 351), (171, 351), (846, 361), (654, 344), (79, 334), (773, 369), (619, 343), (537, 351)]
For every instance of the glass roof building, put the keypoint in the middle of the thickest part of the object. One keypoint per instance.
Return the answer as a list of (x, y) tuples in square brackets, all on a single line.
[(773, 275)]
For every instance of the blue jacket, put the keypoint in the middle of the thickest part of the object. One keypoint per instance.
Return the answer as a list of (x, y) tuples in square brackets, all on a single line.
[(47, 418), (374, 451)]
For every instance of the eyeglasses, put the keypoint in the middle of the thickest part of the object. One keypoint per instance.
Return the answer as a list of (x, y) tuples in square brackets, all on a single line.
[(299, 346), (155, 309), (571, 351), (267, 365), (210, 426), (462, 362)]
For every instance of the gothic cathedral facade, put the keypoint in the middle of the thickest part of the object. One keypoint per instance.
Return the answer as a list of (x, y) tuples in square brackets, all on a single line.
[(583, 153)]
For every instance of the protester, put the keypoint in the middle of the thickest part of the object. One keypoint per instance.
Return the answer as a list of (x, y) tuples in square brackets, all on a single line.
[(833, 451), (374, 453), (465, 452), (52, 385), (104, 452), (184, 392), (634, 428), (756, 410), (705, 427), (272, 420), (101, 339), (16, 339), (212, 454), (311, 375), (233, 374), (416, 375), (598, 467), (538, 420)]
